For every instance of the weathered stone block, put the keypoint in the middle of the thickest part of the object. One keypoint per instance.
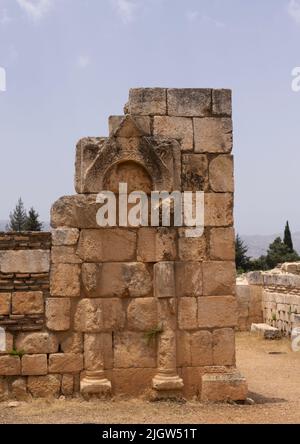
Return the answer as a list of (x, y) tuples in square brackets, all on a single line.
[(164, 280), (10, 366), (189, 279), (5, 300), (65, 255), (189, 102), (218, 209), (28, 302), (99, 315), (191, 248), (213, 135), (77, 211), (221, 102), (65, 363), (3, 389), (19, 390), (201, 348), (34, 365), (142, 122), (142, 314), (179, 128), (24, 261), (132, 350), (108, 245), (219, 278), (222, 244), (37, 343), (65, 280), (65, 236), (44, 386), (194, 172), (67, 385), (72, 343), (221, 174), (148, 101), (156, 244), (223, 387), (224, 346), (58, 314), (98, 351), (217, 311), (135, 381), (187, 313)]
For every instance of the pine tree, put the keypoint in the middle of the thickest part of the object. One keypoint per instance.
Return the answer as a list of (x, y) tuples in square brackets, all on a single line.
[(279, 252), (241, 259), (288, 238), (32, 222), (18, 218)]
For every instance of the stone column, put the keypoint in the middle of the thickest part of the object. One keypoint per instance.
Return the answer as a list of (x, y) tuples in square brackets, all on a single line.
[(94, 381), (166, 382)]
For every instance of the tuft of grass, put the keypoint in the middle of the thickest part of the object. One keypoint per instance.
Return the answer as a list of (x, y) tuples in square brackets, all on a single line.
[(152, 334), (274, 317), (18, 353)]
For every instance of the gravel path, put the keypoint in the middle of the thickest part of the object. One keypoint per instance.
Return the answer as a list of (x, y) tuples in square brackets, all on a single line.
[(272, 371)]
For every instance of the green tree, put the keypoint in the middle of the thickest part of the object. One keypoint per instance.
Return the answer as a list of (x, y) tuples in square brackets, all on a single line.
[(279, 252), (18, 218), (242, 261), (288, 238), (33, 223)]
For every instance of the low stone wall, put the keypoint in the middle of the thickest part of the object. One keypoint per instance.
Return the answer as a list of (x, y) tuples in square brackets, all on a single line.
[(271, 297)]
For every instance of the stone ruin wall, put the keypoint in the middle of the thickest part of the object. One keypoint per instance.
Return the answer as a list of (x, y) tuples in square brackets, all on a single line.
[(273, 296), (138, 310)]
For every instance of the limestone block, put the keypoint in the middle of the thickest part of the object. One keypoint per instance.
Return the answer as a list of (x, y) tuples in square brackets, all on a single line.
[(222, 102), (201, 348), (58, 314), (194, 172), (156, 244), (107, 245), (44, 386), (224, 347), (189, 102), (213, 135), (10, 366), (65, 255), (220, 387), (164, 280), (67, 385), (142, 314), (221, 174), (148, 101), (183, 348), (179, 128), (218, 278), (142, 122), (189, 279), (65, 280), (65, 236), (19, 390), (5, 300), (217, 311), (28, 302), (255, 278), (24, 261), (98, 351), (191, 248), (135, 381), (222, 244), (132, 350), (37, 343), (3, 389), (243, 300), (34, 365), (117, 280), (65, 363), (99, 315), (218, 209), (77, 211), (255, 306), (187, 313), (72, 343)]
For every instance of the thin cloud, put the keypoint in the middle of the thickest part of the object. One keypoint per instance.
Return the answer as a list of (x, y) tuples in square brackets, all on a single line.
[(192, 15), (294, 10), (35, 9), (83, 61), (5, 19), (126, 9)]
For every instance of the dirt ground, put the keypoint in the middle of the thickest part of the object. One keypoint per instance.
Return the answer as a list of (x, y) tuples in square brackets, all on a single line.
[(272, 371)]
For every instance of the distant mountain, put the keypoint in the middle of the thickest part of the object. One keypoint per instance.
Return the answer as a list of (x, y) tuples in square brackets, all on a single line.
[(3, 224), (258, 244)]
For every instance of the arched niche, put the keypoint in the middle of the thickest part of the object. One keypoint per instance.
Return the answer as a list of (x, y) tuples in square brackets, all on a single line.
[(132, 173)]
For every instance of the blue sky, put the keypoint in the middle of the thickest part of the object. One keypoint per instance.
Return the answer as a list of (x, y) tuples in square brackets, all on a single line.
[(70, 64)]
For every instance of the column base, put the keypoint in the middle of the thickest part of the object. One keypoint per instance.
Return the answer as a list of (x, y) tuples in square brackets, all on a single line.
[(93, 386), (167, 388)]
